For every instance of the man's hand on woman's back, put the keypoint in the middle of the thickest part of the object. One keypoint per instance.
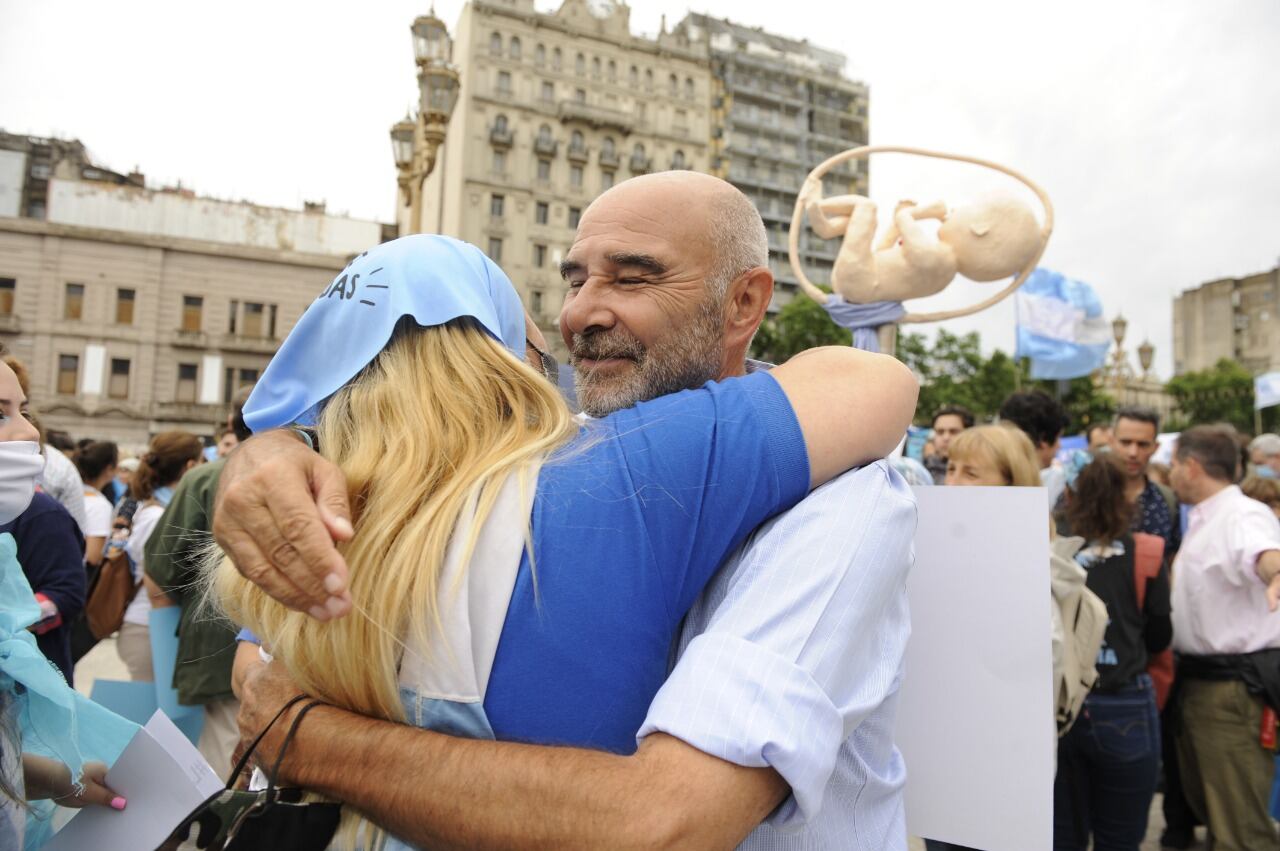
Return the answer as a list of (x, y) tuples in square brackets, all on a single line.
[(280, 508)]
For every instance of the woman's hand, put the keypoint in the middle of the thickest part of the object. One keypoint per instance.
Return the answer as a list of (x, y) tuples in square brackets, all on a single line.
[(48, 778)]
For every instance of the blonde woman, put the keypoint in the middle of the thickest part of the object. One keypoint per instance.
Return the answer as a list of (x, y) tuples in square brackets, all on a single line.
[(515, 574), (993, 455)]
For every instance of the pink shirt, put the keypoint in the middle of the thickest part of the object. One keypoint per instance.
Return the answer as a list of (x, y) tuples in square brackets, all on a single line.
[(1219, 603)]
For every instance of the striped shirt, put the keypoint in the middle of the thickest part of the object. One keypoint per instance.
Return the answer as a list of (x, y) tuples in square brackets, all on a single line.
[(793, 658)]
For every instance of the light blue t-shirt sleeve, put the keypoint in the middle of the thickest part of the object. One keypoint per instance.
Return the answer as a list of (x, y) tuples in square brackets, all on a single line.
[(708, 466), (246, 635)]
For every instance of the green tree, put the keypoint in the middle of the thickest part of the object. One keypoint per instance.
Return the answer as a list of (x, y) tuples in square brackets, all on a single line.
[(1084, 402), (1223, 393), (801, 324)]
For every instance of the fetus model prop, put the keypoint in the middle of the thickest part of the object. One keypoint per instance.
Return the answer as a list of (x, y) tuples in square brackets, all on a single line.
[(989, 239)]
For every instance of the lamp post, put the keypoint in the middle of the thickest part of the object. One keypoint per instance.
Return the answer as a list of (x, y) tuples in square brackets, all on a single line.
[(416, 140), (1146, 356)]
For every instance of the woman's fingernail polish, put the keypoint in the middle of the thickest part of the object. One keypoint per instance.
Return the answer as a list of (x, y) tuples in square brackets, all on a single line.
[(118, 802)]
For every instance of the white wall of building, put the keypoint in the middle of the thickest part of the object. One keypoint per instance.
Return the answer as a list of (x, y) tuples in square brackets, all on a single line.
[(13, 169), (142, 211)]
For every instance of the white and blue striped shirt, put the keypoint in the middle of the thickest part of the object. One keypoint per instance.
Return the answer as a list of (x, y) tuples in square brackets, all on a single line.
[(793, 656)]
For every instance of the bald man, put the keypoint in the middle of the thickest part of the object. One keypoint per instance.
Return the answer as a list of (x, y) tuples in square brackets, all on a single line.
[(781, 705)]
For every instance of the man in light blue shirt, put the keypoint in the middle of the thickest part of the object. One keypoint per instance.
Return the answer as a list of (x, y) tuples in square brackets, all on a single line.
[(782, 704)]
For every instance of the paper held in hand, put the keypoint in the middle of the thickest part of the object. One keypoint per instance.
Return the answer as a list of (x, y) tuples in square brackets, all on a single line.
[(162, 776)]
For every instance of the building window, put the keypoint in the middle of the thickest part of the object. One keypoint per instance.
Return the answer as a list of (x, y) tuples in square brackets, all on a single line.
[(496, 203), (540, 213), (536, 299), (633, 76), (613, 71), (499, 162), (235, 380), (575, 176), (548, 91), (677, 160), (192, 312), (73, 305), (688, 87), (254, 316), (231, 319), (504, 82), (606, 147), (606, 180), (513, 50), (544, 170), (575, 215), (595, 67), (580, 64), (495, 249), (495, 45), (272, 312), (124, 306), (673, 85), (555, 59), (8, 289), (577, 141), (580, 95), (648, 79), (540, 55), (539, 256), (187, 375), (68, 374), (118, 387)]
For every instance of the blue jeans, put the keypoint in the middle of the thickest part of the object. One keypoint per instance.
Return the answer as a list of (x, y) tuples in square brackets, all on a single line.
[(1107, 768)]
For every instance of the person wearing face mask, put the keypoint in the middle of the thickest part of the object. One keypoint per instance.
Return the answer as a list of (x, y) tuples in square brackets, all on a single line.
[(170, 456), (73, 731), (1264, 455)]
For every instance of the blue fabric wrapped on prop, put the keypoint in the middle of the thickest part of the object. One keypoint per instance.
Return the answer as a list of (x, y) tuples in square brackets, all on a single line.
[(863, 319), (55, 720)]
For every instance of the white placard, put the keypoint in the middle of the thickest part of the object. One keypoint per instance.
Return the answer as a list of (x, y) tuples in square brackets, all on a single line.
[(976, 722)]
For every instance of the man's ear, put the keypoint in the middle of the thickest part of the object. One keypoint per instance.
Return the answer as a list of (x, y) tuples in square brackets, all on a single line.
[(746, 303)]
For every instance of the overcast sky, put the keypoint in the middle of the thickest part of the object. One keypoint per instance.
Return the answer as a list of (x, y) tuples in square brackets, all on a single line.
[(1154, 125)]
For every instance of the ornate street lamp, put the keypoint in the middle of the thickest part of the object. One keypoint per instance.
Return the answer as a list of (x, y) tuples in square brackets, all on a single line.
[(1118, 326), (415, 142), (1146, 356)]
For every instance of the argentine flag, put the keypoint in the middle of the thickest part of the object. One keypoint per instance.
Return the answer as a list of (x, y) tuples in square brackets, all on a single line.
[(1061, 326), (1266, 390)]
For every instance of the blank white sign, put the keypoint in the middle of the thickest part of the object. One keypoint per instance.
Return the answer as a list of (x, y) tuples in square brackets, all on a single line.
[(976, 719)]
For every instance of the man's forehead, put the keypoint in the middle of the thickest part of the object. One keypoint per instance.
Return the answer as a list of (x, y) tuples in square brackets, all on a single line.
[(630, 223)]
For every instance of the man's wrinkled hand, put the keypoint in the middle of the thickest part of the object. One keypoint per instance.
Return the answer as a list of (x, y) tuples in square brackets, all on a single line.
[(279, 509), (266, 688)]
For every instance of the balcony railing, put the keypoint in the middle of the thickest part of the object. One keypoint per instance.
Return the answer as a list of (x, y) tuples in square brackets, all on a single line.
[(608, 159), (245, 343), (185, 339), (545, 146), (187, 412), (639, 164), (9, 323), (579, 154), (597, 117), (500, 138)]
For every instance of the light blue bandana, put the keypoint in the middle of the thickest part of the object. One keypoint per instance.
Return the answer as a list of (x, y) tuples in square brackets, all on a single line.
[(433, 279)]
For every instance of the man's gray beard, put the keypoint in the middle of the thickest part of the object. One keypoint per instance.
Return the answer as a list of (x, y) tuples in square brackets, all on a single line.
[(682, 359)]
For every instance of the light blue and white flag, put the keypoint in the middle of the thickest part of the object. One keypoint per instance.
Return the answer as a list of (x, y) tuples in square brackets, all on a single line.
[(1266, 390), (1061, 326)]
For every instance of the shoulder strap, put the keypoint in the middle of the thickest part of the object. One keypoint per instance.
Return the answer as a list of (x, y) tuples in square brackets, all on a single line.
[(1170, 499), (1148, 556)]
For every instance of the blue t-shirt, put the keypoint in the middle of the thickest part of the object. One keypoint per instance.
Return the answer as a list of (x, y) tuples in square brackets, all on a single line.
[(629, 523), (627, 530)]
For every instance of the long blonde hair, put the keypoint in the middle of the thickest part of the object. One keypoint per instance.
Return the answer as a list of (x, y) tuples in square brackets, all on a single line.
[(1005, 446), (437, 422)]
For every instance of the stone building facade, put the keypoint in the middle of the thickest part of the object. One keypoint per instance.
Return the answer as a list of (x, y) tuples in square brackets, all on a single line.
[(779, 108), (139, 311), (554, 109), (1234, 318)]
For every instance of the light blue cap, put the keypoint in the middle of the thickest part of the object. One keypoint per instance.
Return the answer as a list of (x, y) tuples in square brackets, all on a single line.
[(434, 279)]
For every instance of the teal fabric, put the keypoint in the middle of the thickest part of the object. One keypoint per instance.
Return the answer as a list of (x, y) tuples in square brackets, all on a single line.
[(55, 720)]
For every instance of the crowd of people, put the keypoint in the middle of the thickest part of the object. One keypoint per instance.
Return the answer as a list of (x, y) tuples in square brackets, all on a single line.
[(628, 633)]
